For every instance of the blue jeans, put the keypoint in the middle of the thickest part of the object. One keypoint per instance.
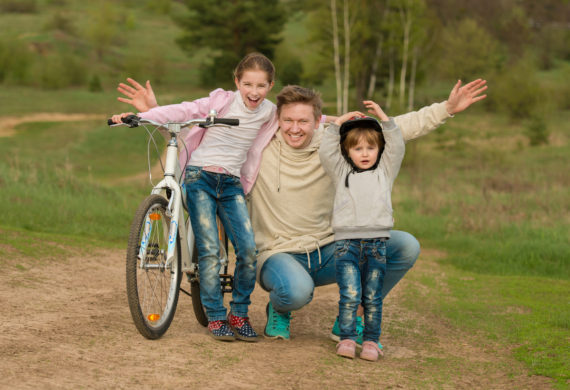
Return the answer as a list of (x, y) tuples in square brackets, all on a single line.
[(290, 282), (209, 194), (360, 270)]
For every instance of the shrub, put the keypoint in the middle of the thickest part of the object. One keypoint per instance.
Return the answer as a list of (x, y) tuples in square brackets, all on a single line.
[(517, 91), (19, 6), (537, 130)]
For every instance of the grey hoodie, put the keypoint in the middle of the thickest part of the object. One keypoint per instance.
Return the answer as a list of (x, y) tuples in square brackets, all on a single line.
[(364, 208)]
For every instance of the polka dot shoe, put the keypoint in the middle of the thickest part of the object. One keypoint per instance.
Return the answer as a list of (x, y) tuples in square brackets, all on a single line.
[(242, 328), (220, 330)]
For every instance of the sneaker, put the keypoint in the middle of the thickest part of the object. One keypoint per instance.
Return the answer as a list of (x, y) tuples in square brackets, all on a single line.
[(346, 348), (242, 328), (335, 332), (370, 351), (277, 326), (220, 330)]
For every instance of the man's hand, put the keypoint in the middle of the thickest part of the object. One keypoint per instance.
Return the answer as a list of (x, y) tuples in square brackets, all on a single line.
[(462, 97), (142, 99)]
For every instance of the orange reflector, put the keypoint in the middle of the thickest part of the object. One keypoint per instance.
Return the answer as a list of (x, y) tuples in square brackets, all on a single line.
[(153, 317), (154, 216)]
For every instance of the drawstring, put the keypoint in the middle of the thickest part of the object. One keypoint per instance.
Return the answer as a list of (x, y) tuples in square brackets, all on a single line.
[(309, 255), (279, 169)]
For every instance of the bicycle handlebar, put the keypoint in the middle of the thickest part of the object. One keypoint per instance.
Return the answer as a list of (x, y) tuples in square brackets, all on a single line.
[(133, 121)]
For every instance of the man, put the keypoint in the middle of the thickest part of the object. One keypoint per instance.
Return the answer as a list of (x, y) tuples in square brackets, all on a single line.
[(292, 200)]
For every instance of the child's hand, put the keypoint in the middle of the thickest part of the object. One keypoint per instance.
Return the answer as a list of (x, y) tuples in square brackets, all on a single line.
[(375, 109), (117, 118), (141, 98), (349, 115)]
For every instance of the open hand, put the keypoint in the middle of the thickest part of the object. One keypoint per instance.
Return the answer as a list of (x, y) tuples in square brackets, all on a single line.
[(141, 98), (375, 109), (462, 97)]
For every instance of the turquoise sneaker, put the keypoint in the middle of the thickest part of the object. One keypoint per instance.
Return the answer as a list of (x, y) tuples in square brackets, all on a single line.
[(277, 326), (335, 332)]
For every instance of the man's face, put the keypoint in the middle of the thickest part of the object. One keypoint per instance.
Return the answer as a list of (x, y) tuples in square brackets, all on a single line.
[(297, 124)]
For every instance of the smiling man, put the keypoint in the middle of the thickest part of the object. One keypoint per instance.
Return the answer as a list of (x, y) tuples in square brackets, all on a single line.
[(292, 202)]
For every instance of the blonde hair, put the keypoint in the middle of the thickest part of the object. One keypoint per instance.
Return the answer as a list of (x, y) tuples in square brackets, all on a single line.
[(296, 94), (353, 137)]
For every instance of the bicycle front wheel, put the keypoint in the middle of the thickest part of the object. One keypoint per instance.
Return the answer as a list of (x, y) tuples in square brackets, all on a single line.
[(152, 284)]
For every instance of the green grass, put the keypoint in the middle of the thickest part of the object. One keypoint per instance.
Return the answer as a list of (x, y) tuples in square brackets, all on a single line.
[(499, 210), (56, 178)]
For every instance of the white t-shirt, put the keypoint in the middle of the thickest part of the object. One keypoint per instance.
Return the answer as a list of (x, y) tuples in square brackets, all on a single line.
[(227, 147)]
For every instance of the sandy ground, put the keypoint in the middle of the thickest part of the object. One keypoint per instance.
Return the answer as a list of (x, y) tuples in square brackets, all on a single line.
[(66, 325)]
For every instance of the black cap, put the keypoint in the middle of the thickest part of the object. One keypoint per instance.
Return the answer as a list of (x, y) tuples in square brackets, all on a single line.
[(363, 122)]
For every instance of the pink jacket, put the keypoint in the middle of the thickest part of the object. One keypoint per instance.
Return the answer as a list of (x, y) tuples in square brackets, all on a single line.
[(220, 101)]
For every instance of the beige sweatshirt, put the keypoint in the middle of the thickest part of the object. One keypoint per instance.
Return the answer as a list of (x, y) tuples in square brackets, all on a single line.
[(291, 202)]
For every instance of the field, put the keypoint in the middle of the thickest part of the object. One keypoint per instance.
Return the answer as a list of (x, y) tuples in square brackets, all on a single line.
[(486, 305)]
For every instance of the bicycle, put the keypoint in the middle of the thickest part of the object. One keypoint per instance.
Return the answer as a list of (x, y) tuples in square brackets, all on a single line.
[(156, 254)]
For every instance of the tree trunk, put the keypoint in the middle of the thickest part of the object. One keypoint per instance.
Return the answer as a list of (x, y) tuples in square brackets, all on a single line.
[(336, 54), (375, 63), (390, 79), (346, 58), (407, 22), (412, 87)]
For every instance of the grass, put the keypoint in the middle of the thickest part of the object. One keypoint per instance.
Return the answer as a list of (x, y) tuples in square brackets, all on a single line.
[(498, 209)]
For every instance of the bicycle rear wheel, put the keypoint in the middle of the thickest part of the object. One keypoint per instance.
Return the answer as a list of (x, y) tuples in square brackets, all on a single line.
[(199, 310), (152, 285)]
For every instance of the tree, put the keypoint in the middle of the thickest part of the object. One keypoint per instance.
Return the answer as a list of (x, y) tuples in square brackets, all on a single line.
[(226, 30)]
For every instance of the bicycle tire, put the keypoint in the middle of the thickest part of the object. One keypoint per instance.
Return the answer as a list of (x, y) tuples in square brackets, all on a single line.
[(197, 306), (152, 292)]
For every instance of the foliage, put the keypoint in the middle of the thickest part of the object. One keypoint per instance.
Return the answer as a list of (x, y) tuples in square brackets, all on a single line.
[(18, 6), (227, 30), (469, 51), (537, 130), (15, 61), (517, 91)]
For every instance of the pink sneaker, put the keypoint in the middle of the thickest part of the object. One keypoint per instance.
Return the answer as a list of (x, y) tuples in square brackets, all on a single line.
[(370, 351), (346, 348)]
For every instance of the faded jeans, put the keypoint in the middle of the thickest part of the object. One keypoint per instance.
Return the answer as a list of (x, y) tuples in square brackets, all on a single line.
[(290, 282), (209, 194), (360, 270)]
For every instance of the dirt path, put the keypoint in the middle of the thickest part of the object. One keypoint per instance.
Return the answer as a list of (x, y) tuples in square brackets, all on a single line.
[(9, 123), (66, 325)]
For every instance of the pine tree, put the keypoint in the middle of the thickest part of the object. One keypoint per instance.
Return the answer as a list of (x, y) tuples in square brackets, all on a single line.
[(229, 29)]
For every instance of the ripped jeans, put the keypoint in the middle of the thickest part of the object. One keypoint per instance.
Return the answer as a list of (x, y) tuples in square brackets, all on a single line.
[(360, 270), (208, 194)]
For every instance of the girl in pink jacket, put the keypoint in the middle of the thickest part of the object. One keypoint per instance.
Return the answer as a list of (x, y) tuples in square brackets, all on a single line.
[(220, 167)]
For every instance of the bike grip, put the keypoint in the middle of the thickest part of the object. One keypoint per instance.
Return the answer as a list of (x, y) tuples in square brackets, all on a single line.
[(131, 120), (226, 121)]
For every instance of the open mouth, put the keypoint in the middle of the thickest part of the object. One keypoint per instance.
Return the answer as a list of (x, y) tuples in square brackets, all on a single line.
[(252, 101)]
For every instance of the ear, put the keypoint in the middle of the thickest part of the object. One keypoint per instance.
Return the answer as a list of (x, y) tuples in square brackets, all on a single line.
[(237, 82), (318, 121), (271, 86)]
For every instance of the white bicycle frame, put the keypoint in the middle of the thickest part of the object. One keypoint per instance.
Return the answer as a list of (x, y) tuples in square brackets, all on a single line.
[(175, 210)]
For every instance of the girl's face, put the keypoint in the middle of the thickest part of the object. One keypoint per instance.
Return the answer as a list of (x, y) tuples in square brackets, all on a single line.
[(363, 154), (253, 87)]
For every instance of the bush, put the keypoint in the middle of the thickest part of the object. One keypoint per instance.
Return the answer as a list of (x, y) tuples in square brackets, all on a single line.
[(537, 130), (95, 84), (15, 61), (517, 91), (19, 6), (291, 71), (468, 50), (61, 70)]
